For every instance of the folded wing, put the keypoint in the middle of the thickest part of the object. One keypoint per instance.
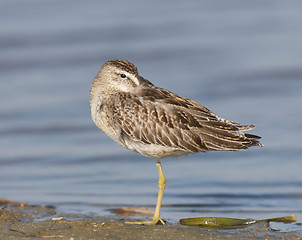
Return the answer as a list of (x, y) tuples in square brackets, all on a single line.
[(154, 115)]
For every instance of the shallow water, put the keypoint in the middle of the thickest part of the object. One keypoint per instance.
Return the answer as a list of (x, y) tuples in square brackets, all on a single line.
[(242, 60)]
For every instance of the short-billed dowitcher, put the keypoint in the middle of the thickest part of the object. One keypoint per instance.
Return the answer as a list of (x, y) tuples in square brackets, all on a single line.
[(156, 122)]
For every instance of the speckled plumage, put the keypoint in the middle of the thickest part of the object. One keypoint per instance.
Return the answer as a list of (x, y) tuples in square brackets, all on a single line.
[(156, 122)]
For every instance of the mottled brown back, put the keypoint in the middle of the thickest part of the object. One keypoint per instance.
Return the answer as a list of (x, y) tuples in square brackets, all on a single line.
[(158, 116)]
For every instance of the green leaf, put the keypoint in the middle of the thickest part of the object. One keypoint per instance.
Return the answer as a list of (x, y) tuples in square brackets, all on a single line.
[(231, 222)]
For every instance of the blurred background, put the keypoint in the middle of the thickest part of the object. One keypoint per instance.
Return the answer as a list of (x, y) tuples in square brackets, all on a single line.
[(241, 59)]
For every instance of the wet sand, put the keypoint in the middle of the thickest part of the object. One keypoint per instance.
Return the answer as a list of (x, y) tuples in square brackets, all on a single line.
[(44, 222)]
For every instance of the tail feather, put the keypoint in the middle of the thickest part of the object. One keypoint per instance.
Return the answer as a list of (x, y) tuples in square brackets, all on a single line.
[(245, 127), (224, 139)]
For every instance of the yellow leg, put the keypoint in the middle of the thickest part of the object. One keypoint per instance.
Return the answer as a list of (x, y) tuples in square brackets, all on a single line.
[(161, 188)]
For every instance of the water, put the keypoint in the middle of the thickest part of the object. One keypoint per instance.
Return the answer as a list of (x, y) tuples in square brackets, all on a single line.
[(240, 59)]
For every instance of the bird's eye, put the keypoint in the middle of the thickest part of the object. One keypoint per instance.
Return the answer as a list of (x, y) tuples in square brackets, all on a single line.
[(123, 76)]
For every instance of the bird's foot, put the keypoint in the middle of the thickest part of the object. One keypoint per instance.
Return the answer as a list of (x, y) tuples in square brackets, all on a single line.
[(152, 222)]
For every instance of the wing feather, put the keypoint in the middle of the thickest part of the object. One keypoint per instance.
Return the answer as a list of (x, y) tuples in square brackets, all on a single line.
[(152, 115)]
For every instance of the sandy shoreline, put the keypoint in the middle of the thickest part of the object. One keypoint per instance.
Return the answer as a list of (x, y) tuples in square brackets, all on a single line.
[(44, 222)]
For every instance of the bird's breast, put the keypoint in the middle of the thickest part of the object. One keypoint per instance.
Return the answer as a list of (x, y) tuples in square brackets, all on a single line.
[(101, 117)]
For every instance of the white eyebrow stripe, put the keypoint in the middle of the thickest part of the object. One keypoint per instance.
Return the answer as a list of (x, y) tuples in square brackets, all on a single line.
[(131, 77), (134, 79)]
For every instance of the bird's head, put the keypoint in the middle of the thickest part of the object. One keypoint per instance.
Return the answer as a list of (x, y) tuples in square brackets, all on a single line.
[(117, 76)]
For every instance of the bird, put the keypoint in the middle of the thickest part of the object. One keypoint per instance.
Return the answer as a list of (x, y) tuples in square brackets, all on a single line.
[(158, 123)]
